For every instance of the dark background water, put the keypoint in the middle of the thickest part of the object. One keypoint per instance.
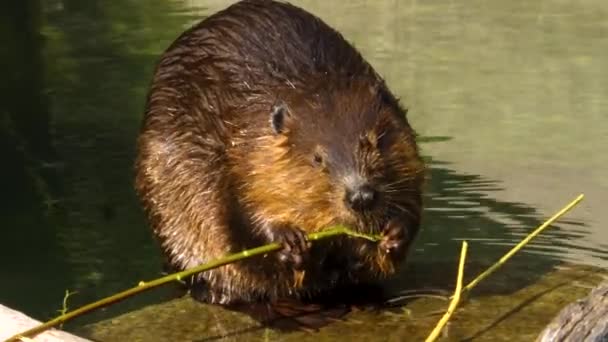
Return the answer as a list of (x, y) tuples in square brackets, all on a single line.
[(509, 99)]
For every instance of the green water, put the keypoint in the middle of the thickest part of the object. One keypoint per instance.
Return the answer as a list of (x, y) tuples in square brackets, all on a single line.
[(509, 97)]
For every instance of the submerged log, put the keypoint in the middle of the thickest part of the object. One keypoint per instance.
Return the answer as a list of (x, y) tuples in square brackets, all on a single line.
[(584, 320)]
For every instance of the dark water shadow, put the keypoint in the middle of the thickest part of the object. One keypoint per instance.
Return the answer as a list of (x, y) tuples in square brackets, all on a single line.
[(33, 259), (99, 85), (75, 76)]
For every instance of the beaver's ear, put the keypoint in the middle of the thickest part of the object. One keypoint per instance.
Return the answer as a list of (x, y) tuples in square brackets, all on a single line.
[(279, 118)]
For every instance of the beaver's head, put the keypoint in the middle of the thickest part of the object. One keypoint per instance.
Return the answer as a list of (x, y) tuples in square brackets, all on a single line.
[(343, 154)]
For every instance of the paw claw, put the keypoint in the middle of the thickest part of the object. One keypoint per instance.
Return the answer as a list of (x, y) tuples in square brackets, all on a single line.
[(394, 237), (295, 244)]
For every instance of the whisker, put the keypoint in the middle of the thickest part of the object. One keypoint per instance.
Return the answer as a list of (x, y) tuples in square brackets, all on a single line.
[(402, 180), (406, 190), (396, 205)]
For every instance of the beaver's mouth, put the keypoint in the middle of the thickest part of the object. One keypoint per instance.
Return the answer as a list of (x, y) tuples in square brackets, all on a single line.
[(371, 222)]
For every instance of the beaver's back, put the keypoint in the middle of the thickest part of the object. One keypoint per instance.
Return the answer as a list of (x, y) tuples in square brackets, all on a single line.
[(254, 49), (275, 39)]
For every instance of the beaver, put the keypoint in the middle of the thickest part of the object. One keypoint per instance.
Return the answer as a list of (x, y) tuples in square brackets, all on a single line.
[(263, 124)]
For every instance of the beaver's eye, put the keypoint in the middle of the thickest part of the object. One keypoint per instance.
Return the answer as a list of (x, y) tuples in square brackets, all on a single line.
[(317, 159)]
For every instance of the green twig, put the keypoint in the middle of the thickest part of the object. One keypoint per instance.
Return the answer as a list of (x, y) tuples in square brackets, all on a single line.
[(143, 286), (64, 307)]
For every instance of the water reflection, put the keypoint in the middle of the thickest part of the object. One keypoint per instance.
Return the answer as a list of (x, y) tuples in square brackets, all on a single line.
[(499, 93)]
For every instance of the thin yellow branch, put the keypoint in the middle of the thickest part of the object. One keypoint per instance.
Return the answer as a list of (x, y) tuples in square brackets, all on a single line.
[(461, 292), (455, 299), (523, 242), (143, 286)]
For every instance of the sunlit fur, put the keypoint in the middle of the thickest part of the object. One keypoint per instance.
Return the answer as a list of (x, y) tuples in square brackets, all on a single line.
[(211, 172), (343, 121)]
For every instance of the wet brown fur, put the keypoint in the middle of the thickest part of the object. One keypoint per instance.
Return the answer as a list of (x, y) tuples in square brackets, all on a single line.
[(211, 172)]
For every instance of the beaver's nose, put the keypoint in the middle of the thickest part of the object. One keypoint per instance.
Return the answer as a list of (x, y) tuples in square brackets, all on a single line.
[(361, 198)]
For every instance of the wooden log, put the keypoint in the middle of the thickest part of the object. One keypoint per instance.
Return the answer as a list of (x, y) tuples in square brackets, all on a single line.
[(584, 320), (13, 322)]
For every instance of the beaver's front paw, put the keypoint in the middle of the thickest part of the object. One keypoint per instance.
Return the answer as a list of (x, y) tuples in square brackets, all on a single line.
[(394, 238), (294, 241)]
